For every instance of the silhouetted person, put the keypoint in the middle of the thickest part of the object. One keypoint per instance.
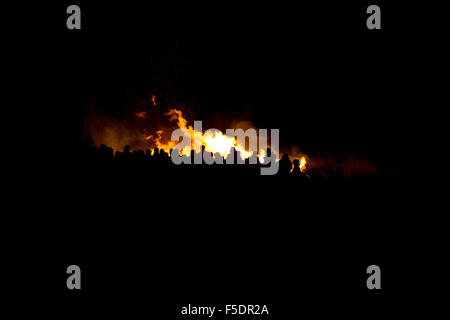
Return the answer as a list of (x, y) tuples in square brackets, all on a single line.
[(163, 155), (285, 165), (148, 154), (140, 156), (296, 171), (126, 153), (105, 153), (156, 153)]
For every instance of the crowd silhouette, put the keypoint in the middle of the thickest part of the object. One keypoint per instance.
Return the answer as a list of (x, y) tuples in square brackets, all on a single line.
[(159, 160), (83, 153)]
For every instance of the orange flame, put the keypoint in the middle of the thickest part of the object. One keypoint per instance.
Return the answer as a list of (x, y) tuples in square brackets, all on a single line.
[(302, 163), (214, 142), (141, 115)]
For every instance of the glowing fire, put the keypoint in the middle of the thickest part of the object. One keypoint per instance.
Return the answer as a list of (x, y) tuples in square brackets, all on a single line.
[(219, 143), (214, 142), (302, 163), (261, 156)]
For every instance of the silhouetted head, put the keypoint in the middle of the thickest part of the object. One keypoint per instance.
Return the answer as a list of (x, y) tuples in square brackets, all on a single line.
[(127, 149), (296, 163), (285, 157)]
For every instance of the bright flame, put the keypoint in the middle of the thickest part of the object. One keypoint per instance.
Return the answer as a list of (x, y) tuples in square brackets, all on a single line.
[(214, 142), (217, 142), (302, 163), (262, 155)]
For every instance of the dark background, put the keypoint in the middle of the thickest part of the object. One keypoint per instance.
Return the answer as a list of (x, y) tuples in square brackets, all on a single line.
[(312, 70), (147, 247)]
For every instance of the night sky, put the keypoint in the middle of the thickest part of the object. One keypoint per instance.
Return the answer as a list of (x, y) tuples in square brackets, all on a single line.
[(314, 71)]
